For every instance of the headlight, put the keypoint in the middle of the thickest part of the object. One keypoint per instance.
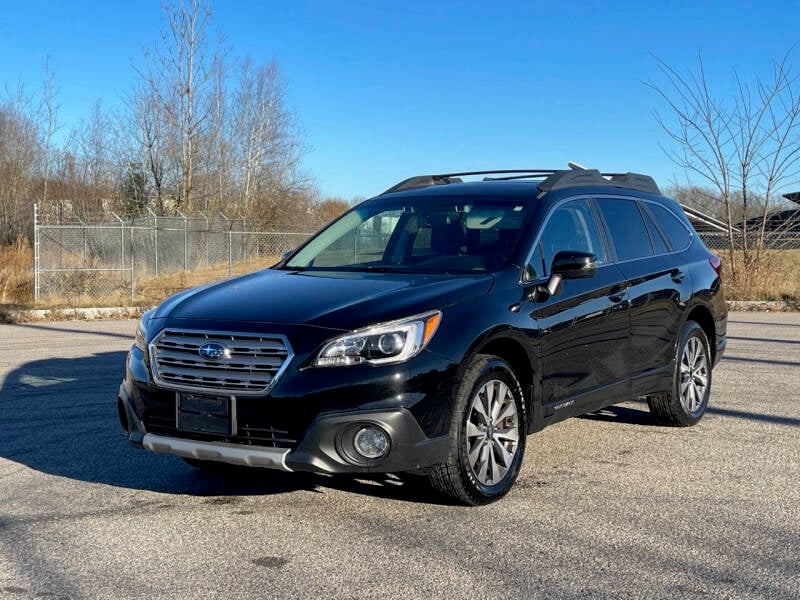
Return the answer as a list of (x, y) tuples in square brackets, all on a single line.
[(385, 343), (140, 341)]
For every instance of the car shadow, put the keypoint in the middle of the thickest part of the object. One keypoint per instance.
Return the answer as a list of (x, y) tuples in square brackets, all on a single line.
[(635, 416), (58, 416), (623, 415)]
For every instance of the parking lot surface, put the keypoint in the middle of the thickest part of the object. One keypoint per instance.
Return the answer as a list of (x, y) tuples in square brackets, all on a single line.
[(607, 505)]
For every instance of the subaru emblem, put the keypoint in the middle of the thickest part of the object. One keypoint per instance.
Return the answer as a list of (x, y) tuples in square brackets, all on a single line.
[(212, 351)]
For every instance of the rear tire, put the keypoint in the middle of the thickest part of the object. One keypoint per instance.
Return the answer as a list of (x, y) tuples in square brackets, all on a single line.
[(487, 434), (685, 403)]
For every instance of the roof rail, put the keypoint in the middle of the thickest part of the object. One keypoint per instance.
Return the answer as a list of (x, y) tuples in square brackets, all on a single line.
[(541, 174), (421, 181), (553, 179)]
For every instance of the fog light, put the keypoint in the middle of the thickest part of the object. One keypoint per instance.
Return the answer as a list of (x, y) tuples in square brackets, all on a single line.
[(371, 442)]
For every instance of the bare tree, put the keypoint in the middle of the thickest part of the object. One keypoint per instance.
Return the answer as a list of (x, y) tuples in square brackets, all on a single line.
[(330, 208), (266, 141), (148, 134), (708, 201), (219, 146), (20, 153), (96, 167), (49, 126), (745, 147), (210, 140), (180, 80)]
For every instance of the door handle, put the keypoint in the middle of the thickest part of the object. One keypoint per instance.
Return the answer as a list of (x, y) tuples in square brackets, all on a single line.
[(677, 275), (617, 296)]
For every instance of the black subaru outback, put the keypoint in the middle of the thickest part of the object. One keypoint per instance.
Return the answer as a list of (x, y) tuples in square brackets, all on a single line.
[(432, 328)]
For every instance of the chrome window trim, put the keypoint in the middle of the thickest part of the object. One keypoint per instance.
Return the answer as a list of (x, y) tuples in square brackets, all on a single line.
[(529, 256), (151, 347)]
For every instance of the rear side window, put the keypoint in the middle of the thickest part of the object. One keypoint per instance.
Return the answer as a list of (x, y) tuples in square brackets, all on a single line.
[(627, 229), (677, 234)]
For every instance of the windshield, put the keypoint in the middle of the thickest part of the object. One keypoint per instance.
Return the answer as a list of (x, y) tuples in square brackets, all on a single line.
[(443, 234)]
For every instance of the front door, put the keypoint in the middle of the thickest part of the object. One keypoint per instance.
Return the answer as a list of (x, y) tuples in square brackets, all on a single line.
[(584, 328)]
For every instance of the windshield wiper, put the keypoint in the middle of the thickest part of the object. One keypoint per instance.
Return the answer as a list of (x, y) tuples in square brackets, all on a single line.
[(361, 269), (375, 269), (379, 268)]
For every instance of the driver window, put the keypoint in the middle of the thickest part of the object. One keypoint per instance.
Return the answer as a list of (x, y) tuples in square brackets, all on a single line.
[(571, 226)]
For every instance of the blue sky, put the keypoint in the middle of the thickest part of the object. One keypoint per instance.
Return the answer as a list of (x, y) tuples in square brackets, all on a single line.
[(385, 90)]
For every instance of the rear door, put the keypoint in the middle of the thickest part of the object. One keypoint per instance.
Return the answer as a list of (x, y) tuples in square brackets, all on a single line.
[(658, 286)]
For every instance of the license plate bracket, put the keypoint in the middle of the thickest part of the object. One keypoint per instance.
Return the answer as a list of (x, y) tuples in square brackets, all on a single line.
[(202, 413)]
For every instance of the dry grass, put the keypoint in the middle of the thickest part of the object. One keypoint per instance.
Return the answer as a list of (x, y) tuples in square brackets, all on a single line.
[(779, 279), (16, 273)]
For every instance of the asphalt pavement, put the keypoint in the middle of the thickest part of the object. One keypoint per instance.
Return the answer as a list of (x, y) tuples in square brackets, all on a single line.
[(607, 506)]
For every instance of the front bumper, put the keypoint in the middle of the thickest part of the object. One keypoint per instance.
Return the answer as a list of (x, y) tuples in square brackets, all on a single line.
[(327, 445), (322, 423), (321, 449), (235, 454)]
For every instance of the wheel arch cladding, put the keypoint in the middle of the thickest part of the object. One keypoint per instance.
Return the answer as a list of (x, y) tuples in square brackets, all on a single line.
[(702, 316), (513, 353)]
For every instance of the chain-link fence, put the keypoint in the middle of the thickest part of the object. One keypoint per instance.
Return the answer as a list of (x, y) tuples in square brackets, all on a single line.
[(774, 240), (99, 261)]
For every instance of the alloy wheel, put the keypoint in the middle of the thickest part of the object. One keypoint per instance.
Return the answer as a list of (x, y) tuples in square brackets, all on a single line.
[(694, 375), (492, 432)]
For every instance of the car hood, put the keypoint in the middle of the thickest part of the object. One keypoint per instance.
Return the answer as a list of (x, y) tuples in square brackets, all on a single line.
[(333, 300)]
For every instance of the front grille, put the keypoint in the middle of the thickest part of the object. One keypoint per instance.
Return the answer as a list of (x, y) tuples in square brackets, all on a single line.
[(250, 363), (271, 436)]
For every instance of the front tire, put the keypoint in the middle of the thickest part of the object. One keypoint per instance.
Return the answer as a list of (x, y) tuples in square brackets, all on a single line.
[(487, 432), (685, 403)]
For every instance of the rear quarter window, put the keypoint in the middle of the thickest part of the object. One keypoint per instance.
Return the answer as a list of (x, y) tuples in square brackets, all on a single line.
[(656, 236), (676, 232)]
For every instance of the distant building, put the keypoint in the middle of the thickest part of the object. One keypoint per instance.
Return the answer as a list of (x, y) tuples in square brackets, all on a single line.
[(779, 221)]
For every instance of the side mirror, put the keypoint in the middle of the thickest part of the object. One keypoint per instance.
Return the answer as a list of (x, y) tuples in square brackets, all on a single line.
[(570, 264), (567, 264), (286, 254)]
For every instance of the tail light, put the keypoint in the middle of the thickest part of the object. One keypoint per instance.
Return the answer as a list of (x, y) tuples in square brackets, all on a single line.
[(716, 264)]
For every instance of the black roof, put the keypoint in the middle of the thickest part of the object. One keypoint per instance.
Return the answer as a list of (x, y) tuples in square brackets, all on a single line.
[(547, 179), (522, 189)]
